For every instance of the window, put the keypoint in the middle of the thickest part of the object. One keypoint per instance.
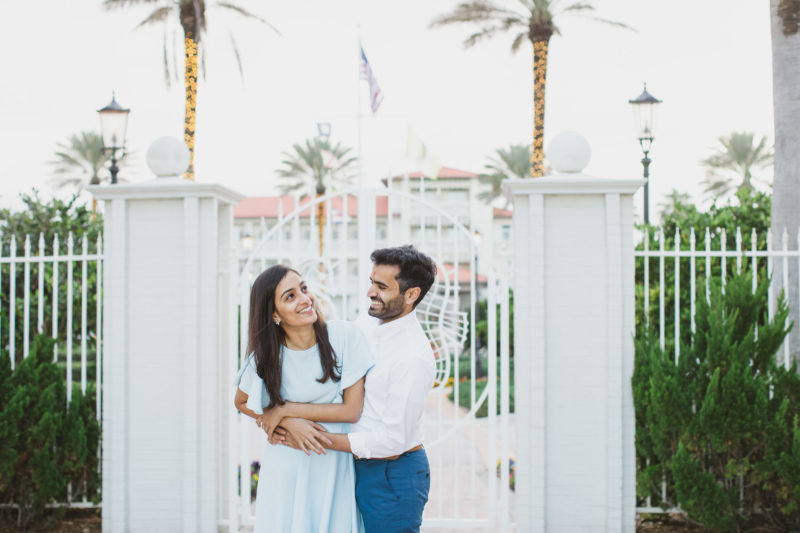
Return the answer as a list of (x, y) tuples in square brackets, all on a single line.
[(505, 232)]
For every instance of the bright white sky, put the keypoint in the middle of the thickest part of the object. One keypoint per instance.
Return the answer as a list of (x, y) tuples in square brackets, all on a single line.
[(709, 61)]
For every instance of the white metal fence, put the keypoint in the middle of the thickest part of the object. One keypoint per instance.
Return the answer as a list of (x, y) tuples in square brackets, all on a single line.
[(55, 288), (713, 261), (695, 262)]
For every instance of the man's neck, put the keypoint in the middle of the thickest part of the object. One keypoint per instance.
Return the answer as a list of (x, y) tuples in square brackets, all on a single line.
[(405, 313)]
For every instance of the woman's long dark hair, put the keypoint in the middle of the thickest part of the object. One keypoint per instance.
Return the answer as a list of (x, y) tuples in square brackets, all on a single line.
[(265, 338)]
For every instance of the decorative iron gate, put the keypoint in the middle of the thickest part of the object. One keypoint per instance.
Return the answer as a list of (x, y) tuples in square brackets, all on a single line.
[(466, 317)]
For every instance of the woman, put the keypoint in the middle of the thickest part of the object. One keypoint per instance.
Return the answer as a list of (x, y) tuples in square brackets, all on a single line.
[(302, 367)]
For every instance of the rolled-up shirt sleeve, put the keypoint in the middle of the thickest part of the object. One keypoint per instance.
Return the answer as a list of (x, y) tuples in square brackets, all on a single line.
[(411, 380)]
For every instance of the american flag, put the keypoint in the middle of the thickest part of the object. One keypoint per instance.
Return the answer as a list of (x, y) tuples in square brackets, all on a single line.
[(375, 94)]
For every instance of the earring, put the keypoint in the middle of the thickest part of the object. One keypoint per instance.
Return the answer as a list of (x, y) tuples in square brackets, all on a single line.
[(277, 322)]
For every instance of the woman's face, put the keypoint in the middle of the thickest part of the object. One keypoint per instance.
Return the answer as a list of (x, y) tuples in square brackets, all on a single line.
[(294, 303)]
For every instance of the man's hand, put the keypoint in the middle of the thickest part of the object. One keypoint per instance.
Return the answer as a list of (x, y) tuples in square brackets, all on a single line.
[(301, 434)]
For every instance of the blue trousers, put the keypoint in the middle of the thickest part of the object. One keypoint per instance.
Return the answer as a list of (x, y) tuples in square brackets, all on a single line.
[(392, 494)]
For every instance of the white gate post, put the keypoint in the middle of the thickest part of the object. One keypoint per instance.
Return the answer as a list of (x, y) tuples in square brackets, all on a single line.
[(574, 327), (167, 280)]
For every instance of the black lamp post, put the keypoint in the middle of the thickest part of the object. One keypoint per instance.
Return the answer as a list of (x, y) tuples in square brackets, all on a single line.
[(644, 109), (113, 125)]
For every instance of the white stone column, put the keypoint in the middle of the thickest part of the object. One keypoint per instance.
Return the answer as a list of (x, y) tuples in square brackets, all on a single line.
[(574, 327), (167, 279)]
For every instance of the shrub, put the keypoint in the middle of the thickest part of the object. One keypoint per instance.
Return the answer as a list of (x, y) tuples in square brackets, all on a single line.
[(46, 446), (720, 425)]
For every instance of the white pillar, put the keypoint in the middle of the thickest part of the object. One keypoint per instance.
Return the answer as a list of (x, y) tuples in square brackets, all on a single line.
[(574, 327), (167, 279)]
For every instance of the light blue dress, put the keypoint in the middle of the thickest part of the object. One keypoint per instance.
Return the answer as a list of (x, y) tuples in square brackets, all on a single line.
[(299, 493)]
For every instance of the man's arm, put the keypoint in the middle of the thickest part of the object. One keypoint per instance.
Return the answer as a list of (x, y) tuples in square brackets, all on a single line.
[(408, 392), (303, 435)]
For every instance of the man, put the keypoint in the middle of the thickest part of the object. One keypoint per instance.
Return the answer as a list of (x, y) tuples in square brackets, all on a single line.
[(392, 471)]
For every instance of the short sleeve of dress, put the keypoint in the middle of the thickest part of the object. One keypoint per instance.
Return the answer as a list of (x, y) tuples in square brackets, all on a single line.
[(248, 382), (357, 358)]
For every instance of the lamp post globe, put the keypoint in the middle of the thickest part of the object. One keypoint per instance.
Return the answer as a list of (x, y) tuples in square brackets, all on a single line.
[(113, 126), (644, 109)]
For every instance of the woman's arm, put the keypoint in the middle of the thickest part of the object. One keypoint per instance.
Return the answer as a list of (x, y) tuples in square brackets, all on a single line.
[(347, 411), (240, 401)]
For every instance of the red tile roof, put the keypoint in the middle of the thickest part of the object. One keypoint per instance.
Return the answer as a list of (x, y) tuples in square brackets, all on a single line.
[(444, 172), (464, 274), (267, 206), (502, 213)]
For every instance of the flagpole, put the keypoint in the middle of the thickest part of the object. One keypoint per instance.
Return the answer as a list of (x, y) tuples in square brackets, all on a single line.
[(358, 110), (364, 229)]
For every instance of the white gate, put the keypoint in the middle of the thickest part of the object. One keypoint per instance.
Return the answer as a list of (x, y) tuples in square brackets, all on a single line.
[(466, 317)]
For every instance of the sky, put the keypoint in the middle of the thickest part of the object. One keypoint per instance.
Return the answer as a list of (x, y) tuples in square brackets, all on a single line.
[(709, 61)]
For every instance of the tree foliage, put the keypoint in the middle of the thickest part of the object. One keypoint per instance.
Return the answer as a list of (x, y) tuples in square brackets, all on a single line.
[(680, 217), (508, 163), (81, 161), (47, 446), (316, 165), (720, 424), (534, 21), (732, 165), (46, 220)]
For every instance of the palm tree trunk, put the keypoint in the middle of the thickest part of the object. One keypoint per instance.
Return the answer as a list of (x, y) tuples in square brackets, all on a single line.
[(539, 80), (190, 83), (786, 187), (320, 224)]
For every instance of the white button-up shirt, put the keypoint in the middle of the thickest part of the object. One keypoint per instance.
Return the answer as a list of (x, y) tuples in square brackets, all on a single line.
[(396, 388)]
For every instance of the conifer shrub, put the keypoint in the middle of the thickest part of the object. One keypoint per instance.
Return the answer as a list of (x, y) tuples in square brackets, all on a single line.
[(718, 428), (45, 446)]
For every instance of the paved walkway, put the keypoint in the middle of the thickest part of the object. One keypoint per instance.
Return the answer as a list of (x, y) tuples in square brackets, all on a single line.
[(460, 469)]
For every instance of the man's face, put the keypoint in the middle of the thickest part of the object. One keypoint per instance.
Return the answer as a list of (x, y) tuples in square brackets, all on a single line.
[(386, 301)]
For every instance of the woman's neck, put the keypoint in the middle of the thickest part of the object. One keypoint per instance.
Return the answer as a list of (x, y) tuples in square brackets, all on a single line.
[(301, 338)]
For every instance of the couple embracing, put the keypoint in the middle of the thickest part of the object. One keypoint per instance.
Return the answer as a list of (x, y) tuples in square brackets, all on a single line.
[(341, 403)]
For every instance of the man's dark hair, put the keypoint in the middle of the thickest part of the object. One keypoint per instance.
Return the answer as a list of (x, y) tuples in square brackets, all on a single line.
[(416, 268)]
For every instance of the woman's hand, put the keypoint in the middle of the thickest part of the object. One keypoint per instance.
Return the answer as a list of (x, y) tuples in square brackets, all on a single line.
[(302, 434), (270, 420)]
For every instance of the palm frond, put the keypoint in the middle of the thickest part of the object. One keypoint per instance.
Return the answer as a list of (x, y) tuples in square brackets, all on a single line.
[(518, 40), (237, 56), (614, 23), (159, 15), (114, 4), (474, 11), (486, 33), (200, 18), (247, 14), (166, 60), (579, 6)]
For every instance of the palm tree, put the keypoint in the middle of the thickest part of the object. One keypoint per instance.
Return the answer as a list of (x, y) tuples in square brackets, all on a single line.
[(81, 161), (533, 21), (736, 160), (513, 162), (785, 21), (316, 165), (191, 15)]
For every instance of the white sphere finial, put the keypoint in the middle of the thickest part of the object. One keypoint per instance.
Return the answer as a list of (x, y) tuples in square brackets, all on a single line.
[(569, 152), (167, 157)]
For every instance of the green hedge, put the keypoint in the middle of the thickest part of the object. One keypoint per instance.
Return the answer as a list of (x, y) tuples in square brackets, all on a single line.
[(45, 446), (722, 424)]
